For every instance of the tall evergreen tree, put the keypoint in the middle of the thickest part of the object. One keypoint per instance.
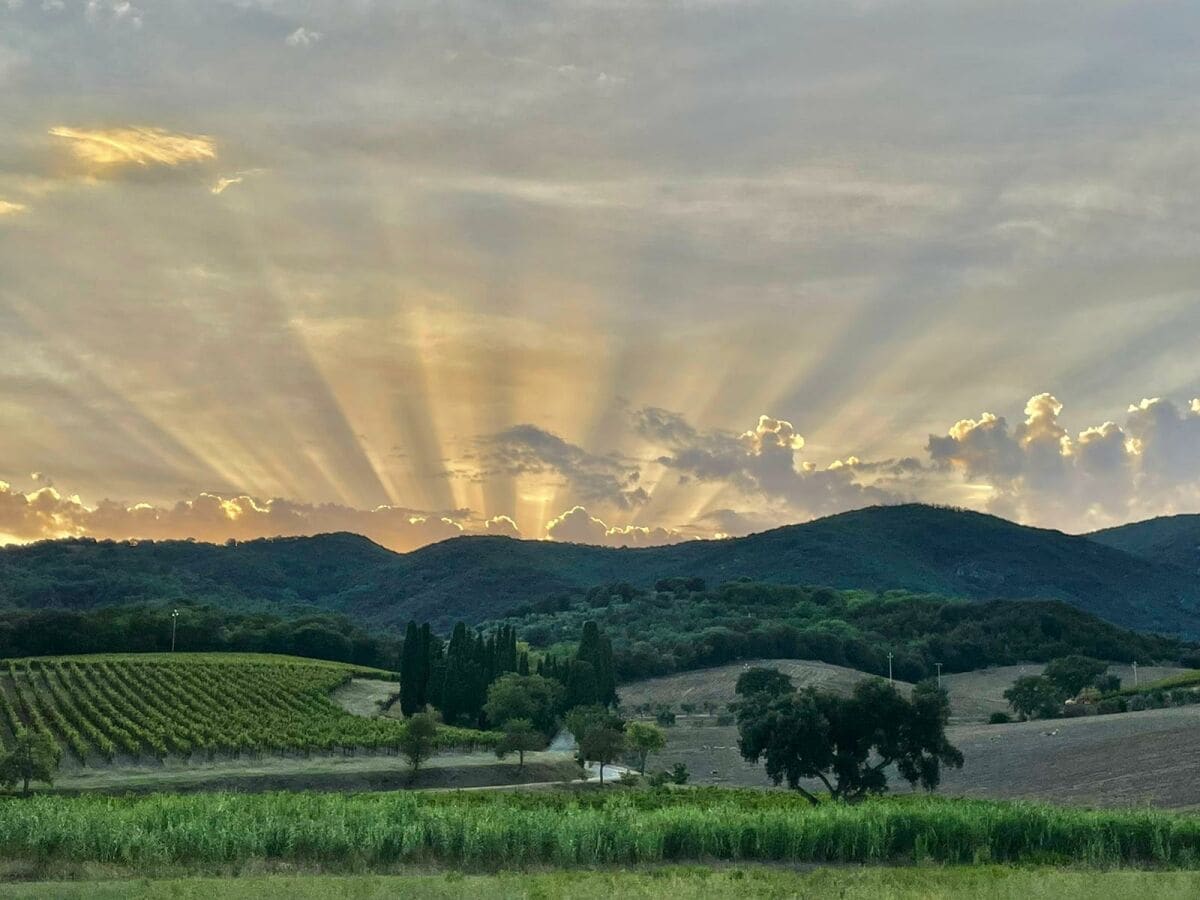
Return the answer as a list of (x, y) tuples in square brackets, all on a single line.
[(595, 649), (413, 671)]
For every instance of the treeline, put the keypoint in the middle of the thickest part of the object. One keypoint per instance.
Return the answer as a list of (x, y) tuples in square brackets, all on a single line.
[(682, 625), (453, 677), (143, 629)]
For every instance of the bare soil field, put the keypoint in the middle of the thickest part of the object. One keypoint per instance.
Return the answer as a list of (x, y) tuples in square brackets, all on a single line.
[(973, 695), (716, 685), (1143, 758), (976, 695)]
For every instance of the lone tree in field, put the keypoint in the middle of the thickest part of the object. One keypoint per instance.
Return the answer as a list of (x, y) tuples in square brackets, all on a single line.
[(520, 737), (604, 744), (1071, 674), (644, 739), (847, 743), (1035, 697), (34, 757), (419, 739)]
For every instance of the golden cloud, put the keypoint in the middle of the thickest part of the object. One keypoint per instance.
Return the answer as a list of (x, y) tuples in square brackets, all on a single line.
[(9, 208), (136, 146)]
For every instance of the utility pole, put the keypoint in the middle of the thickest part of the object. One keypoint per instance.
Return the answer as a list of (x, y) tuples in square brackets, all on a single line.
[(939, 668), (1135, 682), (889, 667), (174, 622)]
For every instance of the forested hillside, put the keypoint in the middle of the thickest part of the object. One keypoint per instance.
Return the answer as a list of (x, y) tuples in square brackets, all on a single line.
[(1173, 540), (915, 548)]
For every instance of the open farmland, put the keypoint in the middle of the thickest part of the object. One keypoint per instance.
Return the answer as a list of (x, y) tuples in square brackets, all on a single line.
[(1120, 760), (130, 709), (973, 695)]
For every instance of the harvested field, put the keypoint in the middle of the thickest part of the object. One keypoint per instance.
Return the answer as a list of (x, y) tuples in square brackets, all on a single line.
[(1142, 758)]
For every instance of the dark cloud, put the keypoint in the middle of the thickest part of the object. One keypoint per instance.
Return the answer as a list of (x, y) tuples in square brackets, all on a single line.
[(529, 450)]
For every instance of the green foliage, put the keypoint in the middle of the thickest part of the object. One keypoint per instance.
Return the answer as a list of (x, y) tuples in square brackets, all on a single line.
[(34, 756), (183, 704), (419, 739), (603, 743), (520, 736), (660, 633), (999, 718), (644, 739), (1035, 697), (917, 548), (145, 629), (759, 680), (847, 743), (582, 719), (487, 829), (528, 697), (1071, 674), (679, 774)]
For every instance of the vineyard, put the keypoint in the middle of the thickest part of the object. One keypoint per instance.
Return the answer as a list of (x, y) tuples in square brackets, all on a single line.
[(100, 708)]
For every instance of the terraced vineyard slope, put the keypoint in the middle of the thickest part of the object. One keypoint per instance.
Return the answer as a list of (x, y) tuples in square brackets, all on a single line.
[(140, 706)]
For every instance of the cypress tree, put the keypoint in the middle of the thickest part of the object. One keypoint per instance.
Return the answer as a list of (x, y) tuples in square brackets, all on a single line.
[(412, 671), (596, 650)]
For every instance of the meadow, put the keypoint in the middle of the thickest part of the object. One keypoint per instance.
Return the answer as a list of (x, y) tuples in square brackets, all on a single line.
[(489, 830)]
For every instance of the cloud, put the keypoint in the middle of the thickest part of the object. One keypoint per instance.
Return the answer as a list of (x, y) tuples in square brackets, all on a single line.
[(1106, 473), (113, 11), (763, 462), (11, 208), (47, 513), (577, 526), (502, 525), (526, 450), (228, 181), (141, 146), (303, 37)]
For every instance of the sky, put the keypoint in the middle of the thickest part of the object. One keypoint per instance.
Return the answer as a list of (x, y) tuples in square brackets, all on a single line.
[(609, 271)]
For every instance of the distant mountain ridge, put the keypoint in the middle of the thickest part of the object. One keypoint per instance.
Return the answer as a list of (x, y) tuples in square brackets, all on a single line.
[(955, 553), (1173, 540)]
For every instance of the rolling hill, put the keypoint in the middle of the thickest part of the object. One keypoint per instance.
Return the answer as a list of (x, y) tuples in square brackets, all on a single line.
[(1171, 540), (913, 547)]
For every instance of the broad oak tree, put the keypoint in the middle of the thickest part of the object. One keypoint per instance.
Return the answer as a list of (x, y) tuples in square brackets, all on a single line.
[(846, 743)]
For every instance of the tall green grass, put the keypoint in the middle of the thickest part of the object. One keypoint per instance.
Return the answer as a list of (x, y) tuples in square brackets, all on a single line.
[(492, 830)]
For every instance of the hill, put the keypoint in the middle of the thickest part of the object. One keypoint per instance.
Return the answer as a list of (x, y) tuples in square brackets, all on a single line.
[(911, 547), (1169, 540)]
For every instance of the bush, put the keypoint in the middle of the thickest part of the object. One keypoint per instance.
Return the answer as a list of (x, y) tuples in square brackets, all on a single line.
[(660, 779), (665, 718), (680, 774), (630, 779), (725, 719), (1138, 702), (1076, 710), (999, 718), (1111, 705)]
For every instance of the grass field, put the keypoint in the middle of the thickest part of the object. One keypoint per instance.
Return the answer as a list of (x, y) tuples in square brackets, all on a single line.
[(490, 830), (681, 883), (134, 707)]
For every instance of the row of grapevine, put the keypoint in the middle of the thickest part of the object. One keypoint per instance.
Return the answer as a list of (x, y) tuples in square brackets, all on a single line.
[(104, 706)]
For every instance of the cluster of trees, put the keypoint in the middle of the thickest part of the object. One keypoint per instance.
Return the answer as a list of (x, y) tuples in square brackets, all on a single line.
[(682, 625), (1042, 696), (145, 628), (845, 743), (456, 677)]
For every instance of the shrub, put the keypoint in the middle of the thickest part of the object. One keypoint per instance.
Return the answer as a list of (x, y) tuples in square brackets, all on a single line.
[(665, 718), (680, 774), (999, 718)]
